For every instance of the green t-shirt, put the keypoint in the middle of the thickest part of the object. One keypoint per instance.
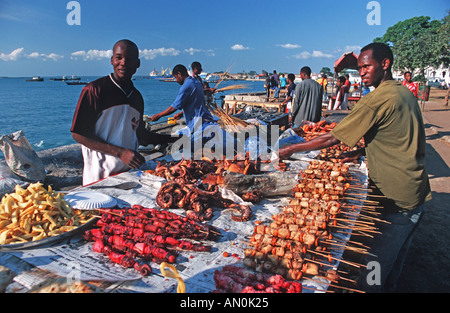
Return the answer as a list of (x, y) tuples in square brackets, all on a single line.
[(391, 123)]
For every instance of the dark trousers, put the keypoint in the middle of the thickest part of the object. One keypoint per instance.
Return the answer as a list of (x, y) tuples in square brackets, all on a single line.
[(390, 249)]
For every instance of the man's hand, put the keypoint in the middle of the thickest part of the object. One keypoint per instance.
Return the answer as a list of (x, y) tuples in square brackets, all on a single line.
[(155, 118), (351, 156), (285, 153), (132, 158), (178, 115)]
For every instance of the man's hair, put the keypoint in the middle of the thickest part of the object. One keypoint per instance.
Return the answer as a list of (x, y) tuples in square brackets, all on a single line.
[(342, 79), (407, 72), (306, 70), (380, 51), (128, 43), (196, 65), (291, 77), (180, 69)]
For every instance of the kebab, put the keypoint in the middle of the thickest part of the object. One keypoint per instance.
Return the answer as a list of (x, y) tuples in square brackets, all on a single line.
[(153, 235), (305, 214), (240, 280), (159, 222), (125, 259)]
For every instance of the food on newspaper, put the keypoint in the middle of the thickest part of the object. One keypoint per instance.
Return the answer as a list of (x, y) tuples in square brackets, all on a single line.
[(34, 213), (124, 235), (197, 200), (211, 171), (61, 285), (300, 241), (234, 279)]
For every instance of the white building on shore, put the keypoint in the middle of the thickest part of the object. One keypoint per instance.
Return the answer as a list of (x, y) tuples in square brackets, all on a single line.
[(439, 76)]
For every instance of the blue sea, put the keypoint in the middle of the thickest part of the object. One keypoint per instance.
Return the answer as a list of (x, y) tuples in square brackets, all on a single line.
[(44, 110)]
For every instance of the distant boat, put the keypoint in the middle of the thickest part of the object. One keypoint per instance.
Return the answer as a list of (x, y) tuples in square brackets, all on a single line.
[(167, 80), (35, 79), (65, 78), (75, 83), (165, 74)]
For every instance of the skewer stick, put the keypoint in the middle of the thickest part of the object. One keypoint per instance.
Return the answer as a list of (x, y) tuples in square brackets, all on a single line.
[(320, 263), (336, 259), (354, 233), (359, 188), (339, 277), (109, 212), (362, 200), (353, 221), (315, 289), (334, 286), (370, 229), (347, 205)]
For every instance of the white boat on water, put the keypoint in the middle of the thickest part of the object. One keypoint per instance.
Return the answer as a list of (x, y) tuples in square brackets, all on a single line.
[(35, 79)]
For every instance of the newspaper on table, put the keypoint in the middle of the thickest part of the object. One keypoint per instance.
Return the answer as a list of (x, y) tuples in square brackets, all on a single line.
[(75, 259)]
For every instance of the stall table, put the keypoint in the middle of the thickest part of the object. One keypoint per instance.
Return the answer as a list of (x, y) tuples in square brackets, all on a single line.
[(74, 257)]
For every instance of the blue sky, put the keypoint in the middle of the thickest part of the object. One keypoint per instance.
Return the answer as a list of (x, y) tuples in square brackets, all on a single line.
[(245, 35)]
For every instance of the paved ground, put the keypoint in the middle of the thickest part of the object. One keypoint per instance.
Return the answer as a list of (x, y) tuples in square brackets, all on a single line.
[(427, 268)]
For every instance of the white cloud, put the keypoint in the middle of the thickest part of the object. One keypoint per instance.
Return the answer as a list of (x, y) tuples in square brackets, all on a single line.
[(45, 57), (9, 17), (315, 54), (13, 56), (289, 46), (150, 54), (92, 54), (20, 53), (193, 51), (239, 47), (349, 48), (54, 56), (352, 48)]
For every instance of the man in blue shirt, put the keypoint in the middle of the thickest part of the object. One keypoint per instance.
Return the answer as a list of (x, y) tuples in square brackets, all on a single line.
[(191, 100)]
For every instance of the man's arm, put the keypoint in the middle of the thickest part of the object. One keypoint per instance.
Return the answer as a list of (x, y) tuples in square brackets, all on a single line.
[(295, 102), (166, 112), (131, 158), (352, 155), (147, 137), (318, 143)]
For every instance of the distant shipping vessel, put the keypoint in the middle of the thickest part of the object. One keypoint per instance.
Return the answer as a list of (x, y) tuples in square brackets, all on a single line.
[(75, 83), (35, 79), (164, 75), (65, 78)]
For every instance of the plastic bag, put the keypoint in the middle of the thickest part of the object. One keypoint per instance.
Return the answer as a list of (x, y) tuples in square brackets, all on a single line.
[(269, 185), (21, 158), (9, 180), (289, 137)]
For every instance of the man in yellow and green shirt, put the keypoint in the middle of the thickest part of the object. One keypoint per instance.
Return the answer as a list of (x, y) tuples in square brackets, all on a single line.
[(390, 121)]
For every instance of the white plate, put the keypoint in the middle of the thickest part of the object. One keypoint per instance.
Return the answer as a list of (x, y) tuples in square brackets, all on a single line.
[(88, 200)]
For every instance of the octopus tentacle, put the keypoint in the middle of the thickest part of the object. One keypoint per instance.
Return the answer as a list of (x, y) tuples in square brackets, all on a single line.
[(246, 213)]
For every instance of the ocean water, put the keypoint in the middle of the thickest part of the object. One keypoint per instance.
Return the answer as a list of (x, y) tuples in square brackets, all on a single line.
[(44, 110)]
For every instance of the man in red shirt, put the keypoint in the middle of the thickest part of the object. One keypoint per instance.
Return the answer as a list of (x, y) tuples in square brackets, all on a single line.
[(108, 120), (412, 86)]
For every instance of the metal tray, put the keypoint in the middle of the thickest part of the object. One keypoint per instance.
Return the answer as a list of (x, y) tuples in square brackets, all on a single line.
[(48, 241)]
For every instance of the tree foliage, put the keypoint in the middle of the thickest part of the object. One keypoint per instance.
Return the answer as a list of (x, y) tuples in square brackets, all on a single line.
[(326, 71), (418, 42)]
